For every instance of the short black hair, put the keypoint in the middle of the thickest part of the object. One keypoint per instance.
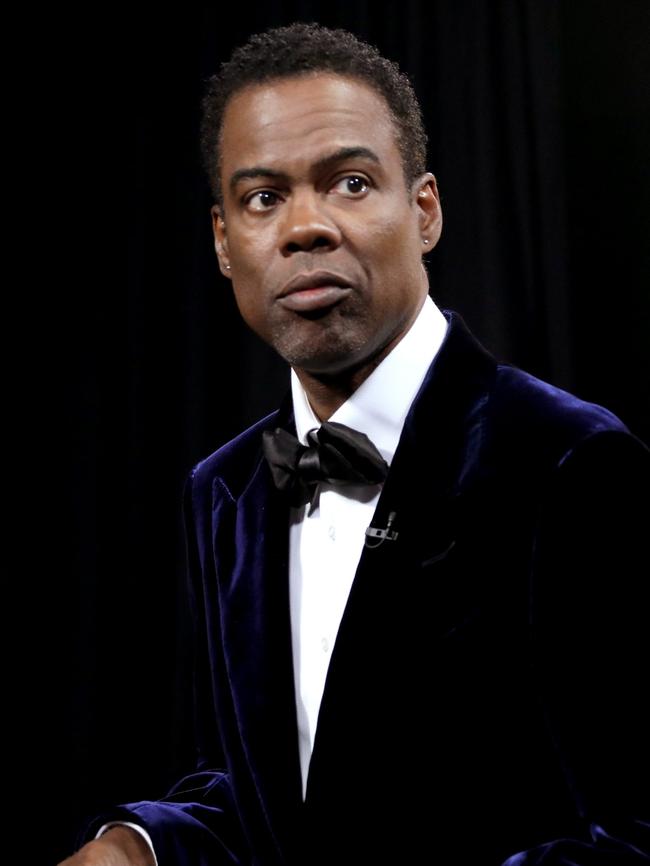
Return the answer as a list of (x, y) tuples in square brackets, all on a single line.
[(298, 49)]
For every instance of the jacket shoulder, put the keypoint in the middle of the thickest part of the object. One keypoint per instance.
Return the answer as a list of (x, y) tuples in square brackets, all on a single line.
[(534, 427), (537, 439), (516, 409), (529, 406)]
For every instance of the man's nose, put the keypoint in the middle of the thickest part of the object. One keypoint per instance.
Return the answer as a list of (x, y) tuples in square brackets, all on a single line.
[(307, 226)]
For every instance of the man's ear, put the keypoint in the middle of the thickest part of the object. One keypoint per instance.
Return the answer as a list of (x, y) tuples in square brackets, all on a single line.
[(427, 201), (220, 240)]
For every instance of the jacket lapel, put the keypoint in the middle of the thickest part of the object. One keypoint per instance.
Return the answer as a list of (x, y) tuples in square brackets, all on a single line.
[(253, 591), (439, 451), (438, 460)]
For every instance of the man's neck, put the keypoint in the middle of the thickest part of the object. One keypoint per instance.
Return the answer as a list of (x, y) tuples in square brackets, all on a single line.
[(327, 391)]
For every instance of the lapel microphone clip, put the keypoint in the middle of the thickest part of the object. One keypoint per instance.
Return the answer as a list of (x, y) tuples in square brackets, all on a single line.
[(381, 535)]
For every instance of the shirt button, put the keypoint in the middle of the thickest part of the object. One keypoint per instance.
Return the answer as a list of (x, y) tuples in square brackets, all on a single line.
[(324, 644), (332, 533)]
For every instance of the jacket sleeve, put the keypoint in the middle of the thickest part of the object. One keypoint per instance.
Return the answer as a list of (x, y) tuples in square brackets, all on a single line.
[(196, 822), (591, 627)]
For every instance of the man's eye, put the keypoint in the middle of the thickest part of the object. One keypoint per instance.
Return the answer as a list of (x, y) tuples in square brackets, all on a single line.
[(352, 185), (261, 200)]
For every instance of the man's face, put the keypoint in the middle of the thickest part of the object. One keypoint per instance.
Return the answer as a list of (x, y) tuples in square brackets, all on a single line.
[(319, 233)]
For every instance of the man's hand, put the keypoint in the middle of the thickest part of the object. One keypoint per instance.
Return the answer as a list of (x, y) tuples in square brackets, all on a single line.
[(119, 846)]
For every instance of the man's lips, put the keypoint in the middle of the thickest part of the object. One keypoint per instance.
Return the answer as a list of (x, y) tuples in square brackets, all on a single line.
[(316, 298), (313, 291)]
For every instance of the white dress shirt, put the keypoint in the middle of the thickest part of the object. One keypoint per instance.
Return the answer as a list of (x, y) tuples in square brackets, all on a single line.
[(326, 536)]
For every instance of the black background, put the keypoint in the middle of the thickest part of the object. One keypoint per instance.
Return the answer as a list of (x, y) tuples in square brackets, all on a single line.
[(539, 127)]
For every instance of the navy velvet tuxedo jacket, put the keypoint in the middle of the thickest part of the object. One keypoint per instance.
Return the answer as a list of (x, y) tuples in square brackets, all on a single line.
[(486, 692)]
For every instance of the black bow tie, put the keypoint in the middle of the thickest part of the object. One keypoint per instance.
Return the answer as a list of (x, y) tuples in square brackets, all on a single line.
[(336, 454)]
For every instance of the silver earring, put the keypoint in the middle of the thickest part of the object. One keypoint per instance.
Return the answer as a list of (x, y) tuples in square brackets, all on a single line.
[(227, 267), (425, 240)]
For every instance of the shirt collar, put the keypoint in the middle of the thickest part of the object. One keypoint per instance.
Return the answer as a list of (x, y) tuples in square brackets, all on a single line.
[(381, 403)]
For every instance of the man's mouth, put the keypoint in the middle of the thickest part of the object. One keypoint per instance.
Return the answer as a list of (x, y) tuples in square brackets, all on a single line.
[(309, 292)]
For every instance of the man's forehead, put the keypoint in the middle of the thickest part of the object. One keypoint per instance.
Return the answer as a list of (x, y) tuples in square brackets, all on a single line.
[(286, 90), (307, 119)]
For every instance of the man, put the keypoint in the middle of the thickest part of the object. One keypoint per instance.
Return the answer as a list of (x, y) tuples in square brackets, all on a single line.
[(421, 646)]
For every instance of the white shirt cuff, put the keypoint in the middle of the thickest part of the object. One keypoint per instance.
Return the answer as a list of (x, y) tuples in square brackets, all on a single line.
[(136, 827)]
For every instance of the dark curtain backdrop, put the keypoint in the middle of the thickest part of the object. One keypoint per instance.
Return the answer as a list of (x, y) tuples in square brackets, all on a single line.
[(538, 120)]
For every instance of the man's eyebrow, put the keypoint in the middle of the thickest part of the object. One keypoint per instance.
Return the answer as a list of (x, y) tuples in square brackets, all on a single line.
[(340, 155), (253, 173), (344, 153)]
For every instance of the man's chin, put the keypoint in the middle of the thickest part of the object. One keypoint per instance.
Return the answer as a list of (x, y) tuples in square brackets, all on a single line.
[(327, 364), (323, 351)]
